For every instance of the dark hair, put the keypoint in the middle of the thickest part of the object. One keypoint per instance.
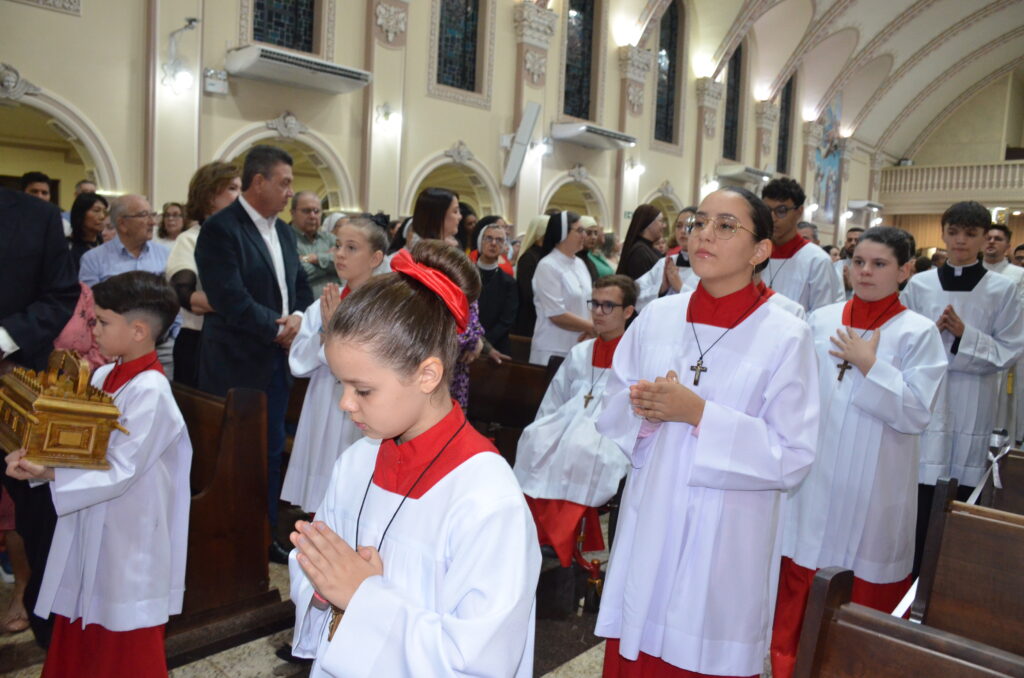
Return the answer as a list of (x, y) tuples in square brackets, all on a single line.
[(262, 160), (428, 215), (783, 189), (161, 230), (643, 216), (608, 245), (1003, 229), (922, 264), (808, 224), (83, 203), (33, 178), (205, 185), (1018, 248), (462, 233), (82, 182), (553, 232), (759, 214), (851, 229), (828, 248), (140, 292), (402, 321), (969, 214), (399, 239), (896, 239), (630, 290)]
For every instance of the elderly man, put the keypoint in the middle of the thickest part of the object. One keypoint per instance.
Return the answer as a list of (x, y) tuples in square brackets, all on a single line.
[(314, 245)]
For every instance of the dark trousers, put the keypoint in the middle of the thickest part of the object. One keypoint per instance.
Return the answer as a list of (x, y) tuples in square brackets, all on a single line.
[(186, 357), (35, 520), (277, 406)]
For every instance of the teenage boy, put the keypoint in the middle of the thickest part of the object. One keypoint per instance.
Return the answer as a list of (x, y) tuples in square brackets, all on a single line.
[(997, 247)]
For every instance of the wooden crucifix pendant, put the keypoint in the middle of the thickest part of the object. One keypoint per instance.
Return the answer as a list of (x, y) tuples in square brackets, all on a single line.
[(842, 367), (697, 369), (587, 398)]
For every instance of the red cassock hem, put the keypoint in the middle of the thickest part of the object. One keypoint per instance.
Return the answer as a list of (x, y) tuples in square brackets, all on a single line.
[(558, 524), (646, 666), (96, 652), (794, 590)]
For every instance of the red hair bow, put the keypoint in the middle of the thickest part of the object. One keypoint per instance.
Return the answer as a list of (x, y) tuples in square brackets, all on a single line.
[(438, 283)]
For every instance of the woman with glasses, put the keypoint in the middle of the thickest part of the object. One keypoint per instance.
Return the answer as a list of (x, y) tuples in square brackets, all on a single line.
[(88, 217), (561, 287), (484, 224), (714, 401), (499, 296), (638, 252), (172, 224)]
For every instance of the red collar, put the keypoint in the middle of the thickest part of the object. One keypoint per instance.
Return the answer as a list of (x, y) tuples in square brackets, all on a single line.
[(399, 465), (764, 289), (604, 351), (125, 372), (345, 292), (674, 251), (788, 249), (870, 315), (728, 311)]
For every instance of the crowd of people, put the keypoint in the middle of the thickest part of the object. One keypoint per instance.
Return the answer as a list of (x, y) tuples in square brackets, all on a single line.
[(762, 405)]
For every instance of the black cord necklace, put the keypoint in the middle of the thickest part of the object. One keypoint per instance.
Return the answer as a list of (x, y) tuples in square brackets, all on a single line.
[(593, 382), (699, 367), (359, 516), (846, 365)]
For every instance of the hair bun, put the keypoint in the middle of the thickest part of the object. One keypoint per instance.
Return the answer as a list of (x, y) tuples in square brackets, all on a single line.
[(450, 261)]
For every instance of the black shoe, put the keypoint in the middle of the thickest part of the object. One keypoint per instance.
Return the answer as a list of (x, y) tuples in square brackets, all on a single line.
[(278, 553), (284, 653)]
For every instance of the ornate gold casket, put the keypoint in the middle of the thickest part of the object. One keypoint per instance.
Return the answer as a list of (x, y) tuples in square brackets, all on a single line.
[(57, 415)]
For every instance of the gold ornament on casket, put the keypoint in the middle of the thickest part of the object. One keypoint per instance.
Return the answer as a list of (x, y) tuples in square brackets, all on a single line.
[(57, 415)]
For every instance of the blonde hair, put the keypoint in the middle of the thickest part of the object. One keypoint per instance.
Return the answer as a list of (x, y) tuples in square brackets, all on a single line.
[(535, 231)]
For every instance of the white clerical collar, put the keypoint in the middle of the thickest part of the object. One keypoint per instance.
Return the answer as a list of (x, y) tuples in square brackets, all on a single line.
[(263, 223), (486, 267), (959, 270)]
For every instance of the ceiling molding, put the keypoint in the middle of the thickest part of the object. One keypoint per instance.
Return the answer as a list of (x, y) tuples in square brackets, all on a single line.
[(815, 34), (745, 18)]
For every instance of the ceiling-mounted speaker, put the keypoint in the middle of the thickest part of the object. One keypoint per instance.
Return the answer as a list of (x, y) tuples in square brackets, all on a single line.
[(520, 144)]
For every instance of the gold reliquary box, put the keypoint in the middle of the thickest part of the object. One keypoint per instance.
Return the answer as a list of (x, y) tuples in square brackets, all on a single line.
[(57, 415)]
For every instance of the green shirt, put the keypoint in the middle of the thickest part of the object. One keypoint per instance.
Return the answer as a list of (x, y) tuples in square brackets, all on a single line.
[(322, 272), (603, 267)]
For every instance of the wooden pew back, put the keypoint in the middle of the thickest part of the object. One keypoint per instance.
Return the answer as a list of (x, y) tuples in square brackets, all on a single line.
[(841, 639), (504, 399), (1011, 496), (970, 573)]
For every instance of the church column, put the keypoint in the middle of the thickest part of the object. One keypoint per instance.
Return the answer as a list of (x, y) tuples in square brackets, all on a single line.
[(634, 64), (709, 98), (875, 180), (766, 117), (534, 27), (812, 132)]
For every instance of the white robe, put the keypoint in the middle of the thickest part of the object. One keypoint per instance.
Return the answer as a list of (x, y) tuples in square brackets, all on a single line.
[(1010, 412), (561, 455), (857, 507), (649, 283), (460, 571), (324, 431), (694, 566), (808, 278), (561, 284), (118, 552), (956, 441)]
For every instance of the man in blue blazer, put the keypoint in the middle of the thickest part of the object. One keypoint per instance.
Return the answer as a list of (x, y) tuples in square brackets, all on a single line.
[(249, 268)]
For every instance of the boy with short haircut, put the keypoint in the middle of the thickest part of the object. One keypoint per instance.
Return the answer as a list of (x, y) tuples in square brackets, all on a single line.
[(979, 319), (116, 570)]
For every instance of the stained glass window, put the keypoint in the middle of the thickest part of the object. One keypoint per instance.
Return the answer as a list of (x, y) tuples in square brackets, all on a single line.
[(579, 46), (733, 92), (785, 128), (286, 23), (667, 64), (457, 44)]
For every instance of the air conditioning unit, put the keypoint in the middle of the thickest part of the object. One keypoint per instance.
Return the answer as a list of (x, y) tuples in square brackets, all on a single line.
[(742, 174), (261, 62), (591, 136)]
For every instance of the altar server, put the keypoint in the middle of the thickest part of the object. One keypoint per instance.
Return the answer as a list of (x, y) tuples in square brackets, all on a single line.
[(980, 322), (563, 464), (323, 430), (804, 274), (423, 560), (561, 285), (880, 367), (1010, 410), (713, 398), (116, 569)]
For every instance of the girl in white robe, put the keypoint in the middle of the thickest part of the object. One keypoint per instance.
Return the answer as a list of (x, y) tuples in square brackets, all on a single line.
[(424, 559), (712, 397), (323, 432), (561, 287), (857, 507)]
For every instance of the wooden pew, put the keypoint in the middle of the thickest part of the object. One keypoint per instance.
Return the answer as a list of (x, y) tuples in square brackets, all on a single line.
[(970, 581), (504, 399), (841, 639), (1011, 496), (520, 348), (228, 598)]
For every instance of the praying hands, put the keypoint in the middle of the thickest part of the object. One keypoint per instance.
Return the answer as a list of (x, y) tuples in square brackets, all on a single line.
[(332, 566), (854, 349), (666, 400), (950, 321)]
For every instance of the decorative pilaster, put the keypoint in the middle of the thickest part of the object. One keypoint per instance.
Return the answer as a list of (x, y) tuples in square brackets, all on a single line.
[(287, 125), (766, 116), (709, 97), (534, 28), (460, 153), (875, 180), (634, 64), (391, 22), (812, 133), (13, 86)]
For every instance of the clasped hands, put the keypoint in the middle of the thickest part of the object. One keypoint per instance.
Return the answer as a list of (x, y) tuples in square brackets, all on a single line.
[(330, 564), (854, 349), (949, 320), (20, 468), (290, 325), (665, 399)]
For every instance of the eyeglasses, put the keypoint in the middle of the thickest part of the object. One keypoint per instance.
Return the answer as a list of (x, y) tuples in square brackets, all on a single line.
[(172, 216), (142, 215), (780, 211), (493, 240), (724, 228), (309, 210), (605, 306)]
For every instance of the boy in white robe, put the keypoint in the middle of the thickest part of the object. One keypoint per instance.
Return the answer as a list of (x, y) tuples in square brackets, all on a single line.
[(565, 467), (116, 569), (997, 247), (804, 274), (979, 318)]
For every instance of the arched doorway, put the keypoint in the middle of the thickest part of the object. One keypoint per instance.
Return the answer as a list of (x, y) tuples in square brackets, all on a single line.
[(580, 197), (464, 180), (308, 169)]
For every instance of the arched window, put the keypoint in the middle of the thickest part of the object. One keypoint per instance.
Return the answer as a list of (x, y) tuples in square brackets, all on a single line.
[(668, 60), (579, 48), (457, 44), (286, 24), (733, 94), (785, 127)]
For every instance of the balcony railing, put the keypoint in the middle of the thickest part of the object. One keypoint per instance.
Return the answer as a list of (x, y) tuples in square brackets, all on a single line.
[(1000, 176)]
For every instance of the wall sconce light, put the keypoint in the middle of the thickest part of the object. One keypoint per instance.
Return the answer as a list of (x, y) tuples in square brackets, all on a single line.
[(538, 149), (176, 74), (634, 168), (709, 186), (388, 118), (812, 208)]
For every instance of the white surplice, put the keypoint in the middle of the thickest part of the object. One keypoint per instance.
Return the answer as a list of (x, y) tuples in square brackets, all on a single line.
[(649, 283), (118, 552), (561, 455), (1009, 410), (694, 566), (808, 278), (858, 505), (460, 572), (561, 284), (956, 441), (324, 431)]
